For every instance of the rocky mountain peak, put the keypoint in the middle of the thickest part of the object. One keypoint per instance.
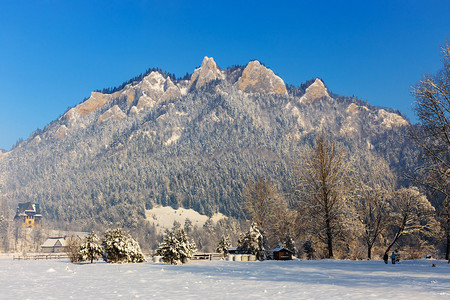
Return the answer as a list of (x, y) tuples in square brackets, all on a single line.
[(315, 91), (207, 72), (256, 78)]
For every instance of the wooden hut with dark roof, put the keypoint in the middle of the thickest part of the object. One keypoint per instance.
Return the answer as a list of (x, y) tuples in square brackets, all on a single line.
[(282, 253)]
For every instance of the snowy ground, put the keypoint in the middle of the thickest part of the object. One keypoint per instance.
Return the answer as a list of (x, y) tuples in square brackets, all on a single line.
[(325, 279)]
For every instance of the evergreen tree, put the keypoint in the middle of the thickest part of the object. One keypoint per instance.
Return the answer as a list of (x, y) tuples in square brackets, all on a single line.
[(120, 247), (90, 249), (253, 242), (175, 248), (288, 243), (224, 245), (309, 249), (188, 226)]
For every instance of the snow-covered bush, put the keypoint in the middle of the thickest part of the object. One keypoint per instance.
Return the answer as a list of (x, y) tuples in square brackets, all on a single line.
[(224, 245), (120, 247), (253, 242), (90, 250), (175, 248)]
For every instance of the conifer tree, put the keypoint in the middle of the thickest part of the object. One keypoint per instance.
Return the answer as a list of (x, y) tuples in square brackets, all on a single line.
[(224, 245), (253, 242), (288, 243), (120, 247), (175, 248), (90, 250), (308, 248)]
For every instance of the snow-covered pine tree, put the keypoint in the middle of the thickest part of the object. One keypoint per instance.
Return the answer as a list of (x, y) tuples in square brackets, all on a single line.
[(308, 248), (187, 248), (253, 242), (90, 250), (168, 249), (288, 243), (120, 247), (175, 248), (224, 245)]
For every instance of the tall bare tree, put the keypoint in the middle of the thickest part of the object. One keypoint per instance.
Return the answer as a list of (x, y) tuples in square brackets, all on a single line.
[(432, 107), (323, 188), (411, 213), (261, 200), (375, 182)]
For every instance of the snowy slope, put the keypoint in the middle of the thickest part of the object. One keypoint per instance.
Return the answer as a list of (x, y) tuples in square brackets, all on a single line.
[(325, 279), (164, 216)]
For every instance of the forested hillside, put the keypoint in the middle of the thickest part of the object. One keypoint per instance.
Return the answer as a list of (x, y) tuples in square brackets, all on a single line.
[(193, 142)]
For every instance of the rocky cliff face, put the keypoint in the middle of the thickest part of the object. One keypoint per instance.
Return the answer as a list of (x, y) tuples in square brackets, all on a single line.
[(315, 91), (192, 143), (256, 78), (207, 72)]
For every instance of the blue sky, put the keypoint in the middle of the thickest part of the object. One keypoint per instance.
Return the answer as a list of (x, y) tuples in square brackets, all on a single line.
[(53, 53)]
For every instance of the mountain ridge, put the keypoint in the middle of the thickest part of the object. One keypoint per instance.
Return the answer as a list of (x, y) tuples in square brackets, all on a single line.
[(187, 143)]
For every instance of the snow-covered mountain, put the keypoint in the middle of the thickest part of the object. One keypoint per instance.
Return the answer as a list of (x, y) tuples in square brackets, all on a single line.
[(191, 143)]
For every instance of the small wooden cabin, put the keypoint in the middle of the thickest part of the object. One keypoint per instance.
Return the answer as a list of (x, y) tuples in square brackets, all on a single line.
[(282, 254), (55, 245)]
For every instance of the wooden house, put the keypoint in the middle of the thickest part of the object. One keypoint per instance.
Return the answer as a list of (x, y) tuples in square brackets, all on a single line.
[(59, 241), (29, 214), (282, 254), (55, 245)]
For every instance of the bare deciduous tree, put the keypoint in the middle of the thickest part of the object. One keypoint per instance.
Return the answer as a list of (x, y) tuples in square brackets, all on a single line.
[(323, 190), (261, 201), (411, 213), (375, 182), (73, 244), (432, 107)]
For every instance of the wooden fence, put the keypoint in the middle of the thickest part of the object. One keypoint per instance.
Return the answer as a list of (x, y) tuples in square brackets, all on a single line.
[(207, 256), (40, 256)]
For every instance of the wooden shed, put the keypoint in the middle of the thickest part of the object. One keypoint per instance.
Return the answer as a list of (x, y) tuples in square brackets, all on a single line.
[(282, 254), (55, 245)]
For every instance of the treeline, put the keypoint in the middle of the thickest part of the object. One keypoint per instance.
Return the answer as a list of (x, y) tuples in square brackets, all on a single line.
[(345, 206)]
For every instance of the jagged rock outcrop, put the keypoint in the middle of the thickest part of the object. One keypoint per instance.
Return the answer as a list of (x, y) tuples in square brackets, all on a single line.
[(315, 91), (112, 114), (61, 132), (256, 78), (390, 120), (171, 91), (207, 72), (95, 101), (156, 88)]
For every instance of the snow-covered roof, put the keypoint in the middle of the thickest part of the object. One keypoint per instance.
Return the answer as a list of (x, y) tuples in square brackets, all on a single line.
[(54, 242), (280, 249)]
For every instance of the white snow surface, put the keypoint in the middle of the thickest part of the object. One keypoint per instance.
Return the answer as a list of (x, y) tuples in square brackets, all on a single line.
[(323, 279)]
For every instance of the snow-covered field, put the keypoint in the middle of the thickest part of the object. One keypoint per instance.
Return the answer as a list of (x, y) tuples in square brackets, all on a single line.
[(324, 279)]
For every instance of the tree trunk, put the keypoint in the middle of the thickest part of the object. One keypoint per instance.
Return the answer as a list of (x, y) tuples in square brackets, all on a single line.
[(447, 250), (396, 237), (329, 238), (369, 252)]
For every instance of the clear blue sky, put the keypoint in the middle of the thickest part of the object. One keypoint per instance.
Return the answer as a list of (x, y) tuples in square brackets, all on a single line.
[(53, 53)]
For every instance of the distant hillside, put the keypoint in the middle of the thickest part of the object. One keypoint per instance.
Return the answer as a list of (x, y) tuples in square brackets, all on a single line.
[(192, 143)]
